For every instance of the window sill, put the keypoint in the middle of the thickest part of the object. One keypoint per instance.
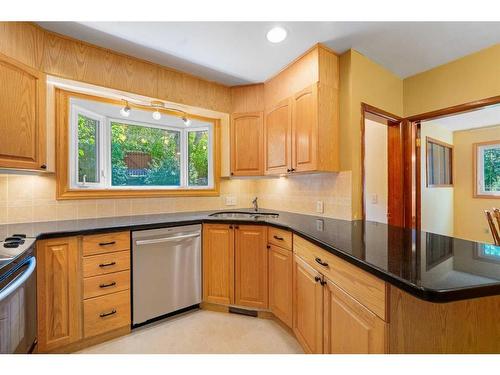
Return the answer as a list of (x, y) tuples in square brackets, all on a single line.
[(134, 193), (485, 196)]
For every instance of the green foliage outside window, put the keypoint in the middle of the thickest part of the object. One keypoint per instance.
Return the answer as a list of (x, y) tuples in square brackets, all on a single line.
[(491, 163), (87, 149), (198, 158)]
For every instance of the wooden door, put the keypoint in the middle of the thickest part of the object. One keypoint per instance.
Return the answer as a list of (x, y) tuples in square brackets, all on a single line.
[(349, 326), (307, 306), (251, 287), (22, 116), (395, 175), (247, 144), (305, 129), (278, 138), (59, 285), (218, 263), (280, 283)]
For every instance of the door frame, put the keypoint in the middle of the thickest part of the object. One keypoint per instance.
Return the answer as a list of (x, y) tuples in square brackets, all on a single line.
[(413, 124), (369, 109)]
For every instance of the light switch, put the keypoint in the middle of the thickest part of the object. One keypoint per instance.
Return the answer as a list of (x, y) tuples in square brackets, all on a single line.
[(230, 200), (319, 207), (374, 198)]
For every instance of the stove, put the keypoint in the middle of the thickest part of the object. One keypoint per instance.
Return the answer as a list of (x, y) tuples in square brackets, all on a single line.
[(14, 249)]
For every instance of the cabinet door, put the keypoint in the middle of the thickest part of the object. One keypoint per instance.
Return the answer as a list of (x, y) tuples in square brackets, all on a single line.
[(251, 266), (349, 326), (22, 116), (307, 306), (280, 283), (305, 129), (247, 144), (278, 139), (218, 264), (58, 293)]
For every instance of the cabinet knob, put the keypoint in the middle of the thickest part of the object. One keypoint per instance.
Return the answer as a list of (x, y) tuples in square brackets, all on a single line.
[(268, 246), (317, 279), (43, 166), (230, 227)]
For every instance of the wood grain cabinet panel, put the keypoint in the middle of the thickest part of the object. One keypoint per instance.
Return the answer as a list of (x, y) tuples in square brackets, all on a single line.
[(106, 263), (251, 285), (22, 116), (105, 284), (280, 283), (307, 306), (247, 144), (105, 243), (305, 130), (58, 293), (218, 264), (349, 327), (278, 138)]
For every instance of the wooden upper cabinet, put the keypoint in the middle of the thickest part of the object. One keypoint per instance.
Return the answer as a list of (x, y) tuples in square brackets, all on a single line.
[(350, 328), (307, 306), (22, 116), (278, 138), (218, 264), (247, 144), (305, 130), (58, 293), (280, 283), (251, 285)]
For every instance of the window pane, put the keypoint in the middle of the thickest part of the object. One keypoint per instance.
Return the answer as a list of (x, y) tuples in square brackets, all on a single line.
[(198, 158), (491, 172), (439, 164), (144, 156), (87, 149)]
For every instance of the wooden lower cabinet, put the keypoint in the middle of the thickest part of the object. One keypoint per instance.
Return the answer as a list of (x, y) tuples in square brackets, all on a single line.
[(307, 306), (349, 327), (218, 263), (280, 283), (251, 287), (59, 298)]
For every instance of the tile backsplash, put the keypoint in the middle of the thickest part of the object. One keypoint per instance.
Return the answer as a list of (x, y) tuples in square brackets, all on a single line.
[(31, 198)]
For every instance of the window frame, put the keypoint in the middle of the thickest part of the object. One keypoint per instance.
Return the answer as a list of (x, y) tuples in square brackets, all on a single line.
[(428, 161), (478, 166), (67, 146)]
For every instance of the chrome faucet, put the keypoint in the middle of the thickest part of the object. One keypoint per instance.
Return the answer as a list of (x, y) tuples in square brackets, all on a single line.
[(255, 205)]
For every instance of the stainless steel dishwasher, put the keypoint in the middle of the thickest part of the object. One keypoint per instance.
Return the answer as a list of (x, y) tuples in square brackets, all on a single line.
[(166, 271)]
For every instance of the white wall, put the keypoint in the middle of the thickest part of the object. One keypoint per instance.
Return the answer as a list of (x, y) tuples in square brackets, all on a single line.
[(375, 171), (436, 203)]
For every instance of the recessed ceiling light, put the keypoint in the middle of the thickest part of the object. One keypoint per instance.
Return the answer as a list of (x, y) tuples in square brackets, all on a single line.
[(276, 34)]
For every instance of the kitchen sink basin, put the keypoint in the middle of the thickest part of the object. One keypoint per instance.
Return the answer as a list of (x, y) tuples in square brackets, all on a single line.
[(244, 215)]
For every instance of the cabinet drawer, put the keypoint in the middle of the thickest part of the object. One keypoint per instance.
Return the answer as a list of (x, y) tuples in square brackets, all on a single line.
[(106, 313), (105, 243), (280, 237), (105, 284), (364, 287), (106, 263)]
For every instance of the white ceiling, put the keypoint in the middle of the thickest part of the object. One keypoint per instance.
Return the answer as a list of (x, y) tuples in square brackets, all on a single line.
[(486, 116), (238, 52)]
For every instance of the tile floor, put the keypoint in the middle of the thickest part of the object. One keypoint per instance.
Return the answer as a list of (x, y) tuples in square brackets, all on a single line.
[(202, 331)]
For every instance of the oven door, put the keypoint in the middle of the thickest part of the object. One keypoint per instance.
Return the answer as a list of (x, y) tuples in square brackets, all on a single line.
[(18, 309)]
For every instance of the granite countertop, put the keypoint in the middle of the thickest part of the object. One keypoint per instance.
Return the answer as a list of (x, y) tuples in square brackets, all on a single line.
[(429, 266)]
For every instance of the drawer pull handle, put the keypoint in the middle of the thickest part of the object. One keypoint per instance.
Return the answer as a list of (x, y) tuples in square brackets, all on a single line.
[(103, 315), (278, 238), (317, 279), (107, 264), (113, 283), (319, 261), (107, 243)]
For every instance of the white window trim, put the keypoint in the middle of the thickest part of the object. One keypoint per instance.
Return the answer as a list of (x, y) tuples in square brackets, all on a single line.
[(480, 170), (104, 157)]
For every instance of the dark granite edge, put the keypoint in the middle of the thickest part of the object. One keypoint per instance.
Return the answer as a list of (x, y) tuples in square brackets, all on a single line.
[(427, 294)]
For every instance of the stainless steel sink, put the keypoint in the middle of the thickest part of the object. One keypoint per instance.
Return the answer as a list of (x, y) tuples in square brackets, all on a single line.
[(244, 215)]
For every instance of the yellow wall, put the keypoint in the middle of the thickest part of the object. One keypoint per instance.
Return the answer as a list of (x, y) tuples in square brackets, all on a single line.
[(473, 77), (436, 214), (470, 222), (363, 81)]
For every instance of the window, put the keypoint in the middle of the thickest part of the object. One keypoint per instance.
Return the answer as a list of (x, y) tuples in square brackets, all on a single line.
[(487, 169), (110, 152), (439, 163)]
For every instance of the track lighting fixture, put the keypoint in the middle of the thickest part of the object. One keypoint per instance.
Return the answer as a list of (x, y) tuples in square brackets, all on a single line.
[(125, 111)]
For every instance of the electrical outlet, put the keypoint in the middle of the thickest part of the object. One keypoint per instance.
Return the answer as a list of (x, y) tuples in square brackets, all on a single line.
[(319, 225), (319, 207), (231, 200)]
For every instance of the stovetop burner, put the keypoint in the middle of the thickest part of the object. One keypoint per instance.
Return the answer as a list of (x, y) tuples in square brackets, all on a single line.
[(12, 249), (14, 241)]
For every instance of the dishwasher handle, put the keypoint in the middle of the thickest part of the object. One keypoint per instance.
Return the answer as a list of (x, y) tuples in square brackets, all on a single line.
[(166, 239)]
